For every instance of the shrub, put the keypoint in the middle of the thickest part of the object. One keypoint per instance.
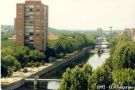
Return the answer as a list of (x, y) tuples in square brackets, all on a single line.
[(51, 59), (25, 70), (37, 64)]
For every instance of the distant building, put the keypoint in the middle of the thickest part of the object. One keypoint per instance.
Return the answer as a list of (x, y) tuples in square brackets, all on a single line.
[(7, 28), (120, 33), (133, 34), (31, 24), (100, 32), (130, 33)]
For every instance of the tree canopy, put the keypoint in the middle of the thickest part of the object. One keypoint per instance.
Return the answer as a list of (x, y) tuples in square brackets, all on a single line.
[(76, 79), (118, 69)]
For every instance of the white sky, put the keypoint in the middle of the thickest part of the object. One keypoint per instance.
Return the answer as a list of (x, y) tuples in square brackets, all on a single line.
[(79, 14)]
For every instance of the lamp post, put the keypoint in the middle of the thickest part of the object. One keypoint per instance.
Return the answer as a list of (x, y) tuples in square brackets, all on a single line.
[(110, 31)]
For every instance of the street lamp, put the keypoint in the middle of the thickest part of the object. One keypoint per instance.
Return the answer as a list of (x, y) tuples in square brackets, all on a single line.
[(110, 30)]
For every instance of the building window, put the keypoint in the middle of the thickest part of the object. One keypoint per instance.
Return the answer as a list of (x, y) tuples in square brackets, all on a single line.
[(29, 23), (37, 30), (29, 17), (37, 13), (37, 10), (31, 34), (37, 34), (27, 33), (31, 10), (28, 10), (31, 38)]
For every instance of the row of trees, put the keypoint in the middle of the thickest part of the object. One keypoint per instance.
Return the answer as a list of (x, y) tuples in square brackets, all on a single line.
[(68, 43), (117, 71), (14, 58)]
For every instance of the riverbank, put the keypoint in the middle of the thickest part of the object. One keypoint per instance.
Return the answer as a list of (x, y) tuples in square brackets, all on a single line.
[(14, 82)]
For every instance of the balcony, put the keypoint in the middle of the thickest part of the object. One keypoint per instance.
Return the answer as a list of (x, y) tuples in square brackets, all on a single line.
[(27, 33), (29, 13)]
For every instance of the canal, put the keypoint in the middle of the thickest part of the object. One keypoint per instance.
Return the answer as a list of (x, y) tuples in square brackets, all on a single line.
[(94, 60)]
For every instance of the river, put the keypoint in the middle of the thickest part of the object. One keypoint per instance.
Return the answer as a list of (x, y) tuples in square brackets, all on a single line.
[(97, 60), (94, 60)]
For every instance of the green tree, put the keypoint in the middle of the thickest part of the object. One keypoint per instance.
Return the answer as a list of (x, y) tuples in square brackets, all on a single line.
[(10, 61), (9, 64), (7, 51), (37, 64), (21, 54), (4, 40), (124, 77), (124, 55), (66, 81), (8, 43), (36, 55), (91, 39), (86, 73), (68, 43), (76, 79), (51, 59), (101, 76), (53, 44)]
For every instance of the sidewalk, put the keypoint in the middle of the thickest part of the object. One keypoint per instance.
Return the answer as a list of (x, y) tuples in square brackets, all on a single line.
[(19, 75)]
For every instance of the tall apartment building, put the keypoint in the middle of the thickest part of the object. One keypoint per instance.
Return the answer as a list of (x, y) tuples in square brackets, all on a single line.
[(31, 24)]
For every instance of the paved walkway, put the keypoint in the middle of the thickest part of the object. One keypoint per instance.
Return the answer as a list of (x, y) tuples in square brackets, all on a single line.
[(19, 75)]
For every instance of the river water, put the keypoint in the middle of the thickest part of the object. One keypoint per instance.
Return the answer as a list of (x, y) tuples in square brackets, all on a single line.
[(95, 60)]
